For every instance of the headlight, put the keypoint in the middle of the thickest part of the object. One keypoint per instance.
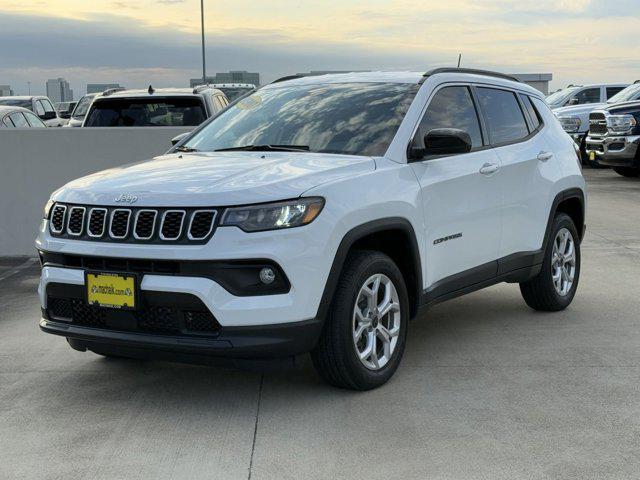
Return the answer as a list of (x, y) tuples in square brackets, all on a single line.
[(570, 124), (47, 208), (621, 123), (272, 216)]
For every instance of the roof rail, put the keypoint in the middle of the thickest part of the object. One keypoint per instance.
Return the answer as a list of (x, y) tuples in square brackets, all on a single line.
[(470, 70), (289, 77), (109, 91)]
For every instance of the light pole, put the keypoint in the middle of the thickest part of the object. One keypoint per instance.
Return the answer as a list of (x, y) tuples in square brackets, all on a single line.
[(29, 87), (204, 64)]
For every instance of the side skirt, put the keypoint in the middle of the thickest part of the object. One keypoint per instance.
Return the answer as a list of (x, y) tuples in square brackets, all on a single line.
[(515, 268)]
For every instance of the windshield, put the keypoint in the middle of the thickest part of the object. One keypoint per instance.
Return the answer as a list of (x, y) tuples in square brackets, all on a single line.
[(233, 93), (561, 96), (345, 118), (82, 106), (16, 103), (632, 92), (146, 112)]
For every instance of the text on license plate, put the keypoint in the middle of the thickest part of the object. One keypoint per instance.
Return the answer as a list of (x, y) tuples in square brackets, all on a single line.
[(111, 290)]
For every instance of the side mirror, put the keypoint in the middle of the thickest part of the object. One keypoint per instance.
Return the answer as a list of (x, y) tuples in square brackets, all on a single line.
[(48, 116), (179, 138), (573, 101), (440, 141)]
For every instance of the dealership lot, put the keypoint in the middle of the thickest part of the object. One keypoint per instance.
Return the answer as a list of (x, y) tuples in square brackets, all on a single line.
[(487, 389)]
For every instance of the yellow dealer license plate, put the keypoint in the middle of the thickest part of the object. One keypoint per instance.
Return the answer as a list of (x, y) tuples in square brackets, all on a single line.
[(111, 290), (592, 156)]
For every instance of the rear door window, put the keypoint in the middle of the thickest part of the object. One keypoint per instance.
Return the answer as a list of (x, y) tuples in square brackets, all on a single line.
[(146, 112), (33, 120), (7, 122), (504, 117), (611, 91), (18, 120)]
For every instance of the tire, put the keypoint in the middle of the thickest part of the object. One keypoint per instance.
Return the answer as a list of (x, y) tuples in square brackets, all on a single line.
[(627, 171), (336, 356), (541, 292)]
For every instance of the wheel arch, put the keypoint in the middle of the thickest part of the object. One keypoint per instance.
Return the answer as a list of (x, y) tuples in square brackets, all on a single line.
[(571, 202), (394, 236)]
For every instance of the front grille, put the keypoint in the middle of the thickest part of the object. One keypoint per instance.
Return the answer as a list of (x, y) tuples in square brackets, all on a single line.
[(153, 225), (57, 218), (75, 224), (159, 313), (597, 123)]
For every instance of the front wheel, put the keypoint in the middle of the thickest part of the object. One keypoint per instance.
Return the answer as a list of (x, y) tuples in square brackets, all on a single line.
[(627, 171), (364, 335), (554, 287)]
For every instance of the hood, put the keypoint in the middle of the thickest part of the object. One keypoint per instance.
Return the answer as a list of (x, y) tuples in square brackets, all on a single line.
[(214, 178), (577, 110)]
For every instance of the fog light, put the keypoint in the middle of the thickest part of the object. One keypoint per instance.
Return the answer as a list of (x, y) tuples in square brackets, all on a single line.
[(267, 275)]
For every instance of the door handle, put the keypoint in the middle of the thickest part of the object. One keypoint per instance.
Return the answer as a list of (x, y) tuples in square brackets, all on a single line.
[(544, 156), (489, 168)]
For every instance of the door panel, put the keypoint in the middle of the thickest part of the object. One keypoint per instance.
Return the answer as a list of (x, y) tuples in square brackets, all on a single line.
[(462, 212)]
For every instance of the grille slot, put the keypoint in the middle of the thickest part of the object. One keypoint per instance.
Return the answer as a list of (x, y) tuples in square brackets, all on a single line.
[(597, 123), (172, 221), (57, 218), (119, 228), (201, 224), (97, 222), (145, 224), (75, 222)]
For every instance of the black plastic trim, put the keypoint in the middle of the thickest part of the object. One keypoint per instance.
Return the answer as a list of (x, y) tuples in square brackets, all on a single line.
[(358, 233)]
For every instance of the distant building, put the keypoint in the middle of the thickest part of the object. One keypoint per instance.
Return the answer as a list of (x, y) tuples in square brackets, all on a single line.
[(539, 81), (58, 90), (5, 91), (101, 87), (234, 76)]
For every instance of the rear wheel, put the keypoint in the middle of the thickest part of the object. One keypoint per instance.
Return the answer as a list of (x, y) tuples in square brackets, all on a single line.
[(554, 287), (627, 171), (364, 334)]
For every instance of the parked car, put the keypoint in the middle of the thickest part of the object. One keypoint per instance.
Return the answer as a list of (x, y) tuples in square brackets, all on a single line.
[(614, 136), (583, 94), (18, 117), (39, 105), (80, 110), (65, 108), (575, 119), (163, 107), (319, 215)]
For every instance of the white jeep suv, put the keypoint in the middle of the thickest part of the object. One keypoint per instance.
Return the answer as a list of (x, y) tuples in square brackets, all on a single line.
[(319, 214)]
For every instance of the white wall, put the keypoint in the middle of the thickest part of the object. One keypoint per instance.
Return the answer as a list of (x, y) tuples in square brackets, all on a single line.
[(35, 162)]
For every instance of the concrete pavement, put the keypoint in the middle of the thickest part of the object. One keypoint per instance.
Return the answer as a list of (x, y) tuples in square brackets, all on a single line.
[(488, 389)]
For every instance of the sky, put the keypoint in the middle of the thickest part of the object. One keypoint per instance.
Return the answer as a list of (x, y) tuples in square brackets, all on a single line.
[(142, 42)]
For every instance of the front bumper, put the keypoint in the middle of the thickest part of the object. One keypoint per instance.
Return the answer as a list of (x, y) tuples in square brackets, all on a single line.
[(614, 151), (264, 342)]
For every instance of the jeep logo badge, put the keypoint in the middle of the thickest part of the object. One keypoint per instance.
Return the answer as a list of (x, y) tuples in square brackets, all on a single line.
[(126, 198)]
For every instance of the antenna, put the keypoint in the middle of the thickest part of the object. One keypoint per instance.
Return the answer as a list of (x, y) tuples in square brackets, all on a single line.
[(459, 59), (151, 90)]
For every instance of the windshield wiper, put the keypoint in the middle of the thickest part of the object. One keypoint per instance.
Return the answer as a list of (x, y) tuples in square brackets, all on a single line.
[(267, 148), (182, 148)]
